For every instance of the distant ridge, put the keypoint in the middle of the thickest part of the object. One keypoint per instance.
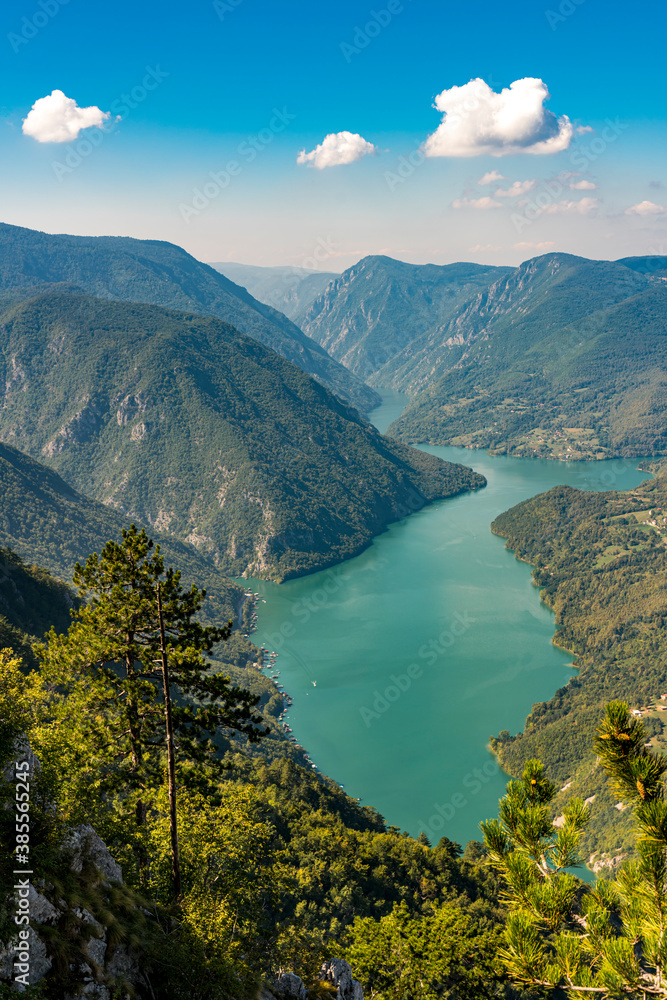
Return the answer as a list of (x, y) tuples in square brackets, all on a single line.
[(159, 273), (187, 425), (377, 308), (292, 290)]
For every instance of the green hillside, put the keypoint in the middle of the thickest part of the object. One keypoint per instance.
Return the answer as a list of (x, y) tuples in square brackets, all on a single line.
[(162, 274), (47, 522), (600, 560), (563, 358), (187, 425), (378, 307), (31, 601)]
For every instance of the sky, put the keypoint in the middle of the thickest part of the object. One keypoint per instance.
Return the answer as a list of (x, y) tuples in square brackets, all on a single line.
[(313, 134)]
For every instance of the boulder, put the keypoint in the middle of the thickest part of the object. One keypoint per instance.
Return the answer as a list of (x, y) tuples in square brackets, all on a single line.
[(339, 974), (289, 987), (84, 842)]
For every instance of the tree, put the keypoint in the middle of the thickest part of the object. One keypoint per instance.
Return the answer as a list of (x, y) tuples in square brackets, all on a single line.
[(608, 940), (444, 953), (134, 644)]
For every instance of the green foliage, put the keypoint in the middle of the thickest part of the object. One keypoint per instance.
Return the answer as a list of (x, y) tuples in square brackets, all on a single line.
[(185, 423), (445, 953), (604, 573), (562, 937), (561, 358), (105, 686), (46, 521), (162, 274)]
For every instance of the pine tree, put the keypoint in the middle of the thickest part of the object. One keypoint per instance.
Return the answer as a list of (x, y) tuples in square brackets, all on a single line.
[(608, 940), (136, 682)]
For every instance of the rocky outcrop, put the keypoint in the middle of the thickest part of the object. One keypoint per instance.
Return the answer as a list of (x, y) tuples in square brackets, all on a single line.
[(338, 973), (82, 842), (335, 973), (26, 960)]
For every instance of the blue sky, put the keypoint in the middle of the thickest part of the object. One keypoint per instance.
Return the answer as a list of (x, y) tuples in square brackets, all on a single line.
[(220, 72)]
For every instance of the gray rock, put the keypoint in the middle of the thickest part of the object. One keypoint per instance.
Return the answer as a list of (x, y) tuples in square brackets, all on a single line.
[(41, 911), (96, 951), (40, 963), (289, 987), (339, 974), (122, 965), (83, 841)]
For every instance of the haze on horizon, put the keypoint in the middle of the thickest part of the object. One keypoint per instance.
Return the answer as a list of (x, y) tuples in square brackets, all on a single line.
[(314, 137)]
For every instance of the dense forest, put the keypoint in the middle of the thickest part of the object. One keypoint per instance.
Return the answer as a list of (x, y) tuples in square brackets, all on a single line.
[(162, 274), (600, 561), (563, 358), (183, 423), (280, 868)]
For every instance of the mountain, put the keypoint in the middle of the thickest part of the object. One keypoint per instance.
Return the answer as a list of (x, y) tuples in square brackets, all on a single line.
[(646, 265), (376, 309), (601, 564), (45, 521), (292, 290), (31, 601), (183, 423), (564, 357), (151, 271)]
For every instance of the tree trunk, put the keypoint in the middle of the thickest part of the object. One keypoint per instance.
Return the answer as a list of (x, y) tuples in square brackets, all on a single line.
[(171, 764)]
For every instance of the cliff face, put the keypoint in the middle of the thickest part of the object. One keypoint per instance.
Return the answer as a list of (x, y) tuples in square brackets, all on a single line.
[(68, 931)]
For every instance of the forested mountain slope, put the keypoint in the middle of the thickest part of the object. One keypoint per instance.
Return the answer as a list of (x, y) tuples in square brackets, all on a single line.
[(600, 560), (48, 523), (187, 425), (31, 601), (378, 307), (163, 274), (563, 358)]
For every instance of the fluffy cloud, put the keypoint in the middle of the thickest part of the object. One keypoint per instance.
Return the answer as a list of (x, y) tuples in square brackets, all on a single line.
[(479, 203), (477, 121), (516, 189), (585, 206), (58, 118), (645, 208), (335, 149), (583, 186), (492, 177)]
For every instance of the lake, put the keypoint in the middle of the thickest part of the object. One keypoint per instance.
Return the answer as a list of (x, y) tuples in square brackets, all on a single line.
[(404, 660)]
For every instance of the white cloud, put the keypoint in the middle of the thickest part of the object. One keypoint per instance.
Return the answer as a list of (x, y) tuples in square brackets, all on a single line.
[(546, 245), (584, 206), (516, 189), (477, 121), (335, 149), (57, 118), (582, 129), (479, 203), (583, 186), (492, 177), (645, 208)]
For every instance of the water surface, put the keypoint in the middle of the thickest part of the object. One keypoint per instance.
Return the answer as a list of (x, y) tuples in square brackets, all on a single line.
[(404, 660)]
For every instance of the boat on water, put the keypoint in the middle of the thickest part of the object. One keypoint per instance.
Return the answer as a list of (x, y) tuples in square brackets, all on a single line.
[(314, 684)]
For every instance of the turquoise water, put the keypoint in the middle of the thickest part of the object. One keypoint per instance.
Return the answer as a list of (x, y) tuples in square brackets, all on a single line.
[(404, 660)]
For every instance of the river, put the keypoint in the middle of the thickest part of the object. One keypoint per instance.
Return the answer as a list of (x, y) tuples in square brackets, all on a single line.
[(404, 660)]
